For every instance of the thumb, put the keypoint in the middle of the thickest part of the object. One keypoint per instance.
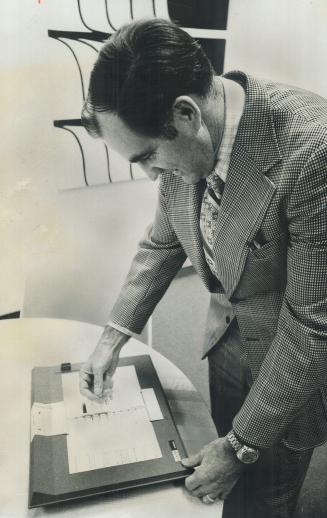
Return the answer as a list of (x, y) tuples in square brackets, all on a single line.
[(108, 384), (98, 382), (114, 363), (193, 460), (108, 381)]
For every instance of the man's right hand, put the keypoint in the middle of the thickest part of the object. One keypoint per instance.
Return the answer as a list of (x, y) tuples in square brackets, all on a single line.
[(96, 374)]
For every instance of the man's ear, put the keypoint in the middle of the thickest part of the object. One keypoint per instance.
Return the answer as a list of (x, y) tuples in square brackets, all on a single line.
[(186, 114)]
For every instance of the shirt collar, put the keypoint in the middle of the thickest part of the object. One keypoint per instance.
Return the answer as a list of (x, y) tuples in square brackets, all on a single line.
[(234, 99)]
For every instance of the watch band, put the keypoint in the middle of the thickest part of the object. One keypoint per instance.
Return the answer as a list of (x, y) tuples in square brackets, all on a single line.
[(244, 453), (233, 441)]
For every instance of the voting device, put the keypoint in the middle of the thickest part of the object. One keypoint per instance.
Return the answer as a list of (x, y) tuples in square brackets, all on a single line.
[(81, 448)]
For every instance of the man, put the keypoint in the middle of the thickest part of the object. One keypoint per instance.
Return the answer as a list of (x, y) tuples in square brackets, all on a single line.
[(243, 189)]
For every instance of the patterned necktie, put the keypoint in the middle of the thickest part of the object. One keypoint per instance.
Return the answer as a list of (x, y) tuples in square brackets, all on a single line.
[(209, 215)]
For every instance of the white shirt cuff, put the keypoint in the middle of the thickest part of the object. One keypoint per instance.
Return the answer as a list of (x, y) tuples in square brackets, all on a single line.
[(122, 329)]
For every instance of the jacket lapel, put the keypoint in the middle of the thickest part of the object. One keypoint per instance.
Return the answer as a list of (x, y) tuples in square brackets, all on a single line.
[(246, 198), (248, 190)]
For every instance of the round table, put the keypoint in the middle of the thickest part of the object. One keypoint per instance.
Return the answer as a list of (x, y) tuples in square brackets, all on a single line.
[(30, 342)]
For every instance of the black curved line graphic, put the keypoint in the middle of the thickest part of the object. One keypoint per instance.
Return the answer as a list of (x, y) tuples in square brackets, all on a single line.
[(131, 171), (82, 153), (78, 65), (131, 9), (108, 163), (89, 45), (108, 17), (81, 16)]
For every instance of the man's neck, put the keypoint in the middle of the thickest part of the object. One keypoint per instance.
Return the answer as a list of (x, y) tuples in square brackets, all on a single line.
[(213, 113)]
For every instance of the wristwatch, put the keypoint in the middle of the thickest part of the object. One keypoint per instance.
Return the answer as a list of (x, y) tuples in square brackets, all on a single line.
[(244, 453)]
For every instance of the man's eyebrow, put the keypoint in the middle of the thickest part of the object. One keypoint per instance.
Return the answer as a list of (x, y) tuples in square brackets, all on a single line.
[(140, 156)]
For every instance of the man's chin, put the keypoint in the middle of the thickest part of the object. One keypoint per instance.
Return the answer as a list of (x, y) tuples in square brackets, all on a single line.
[(190, 180)]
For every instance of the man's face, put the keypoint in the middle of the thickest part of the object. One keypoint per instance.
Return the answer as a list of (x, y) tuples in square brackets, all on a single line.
[(190, 155)]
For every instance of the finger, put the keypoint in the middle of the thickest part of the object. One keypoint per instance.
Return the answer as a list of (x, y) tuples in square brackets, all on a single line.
[(85, 381), (89, 394), (107, 396), (209, 489), (192, 483), (83, 374), (98, 382), (85, 377), (193, 460)]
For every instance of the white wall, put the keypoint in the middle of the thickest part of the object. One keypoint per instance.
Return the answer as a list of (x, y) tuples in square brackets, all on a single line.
[(40, 83), (283, 40)]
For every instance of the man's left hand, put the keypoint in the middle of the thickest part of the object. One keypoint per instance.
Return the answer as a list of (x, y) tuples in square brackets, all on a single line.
[(217, 470)]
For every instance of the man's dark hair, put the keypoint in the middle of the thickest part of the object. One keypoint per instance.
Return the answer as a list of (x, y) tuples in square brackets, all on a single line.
[(140, 71)]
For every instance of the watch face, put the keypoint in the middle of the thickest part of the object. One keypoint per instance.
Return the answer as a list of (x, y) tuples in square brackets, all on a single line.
[(247, 455)]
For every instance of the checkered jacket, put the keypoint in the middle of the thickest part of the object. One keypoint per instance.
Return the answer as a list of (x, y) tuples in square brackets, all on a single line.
[(275, 195)]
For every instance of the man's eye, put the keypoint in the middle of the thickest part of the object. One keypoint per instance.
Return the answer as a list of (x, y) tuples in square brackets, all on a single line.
[(149, 157)]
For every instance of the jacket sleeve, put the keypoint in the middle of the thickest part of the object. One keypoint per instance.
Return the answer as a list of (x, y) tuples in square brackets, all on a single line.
[(158, 259), (295, 366)]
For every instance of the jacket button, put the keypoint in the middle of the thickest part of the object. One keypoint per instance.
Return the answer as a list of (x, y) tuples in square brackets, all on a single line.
[(227, 319)]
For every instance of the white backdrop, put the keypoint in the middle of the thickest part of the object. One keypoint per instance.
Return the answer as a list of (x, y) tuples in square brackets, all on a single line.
[(282, 40)]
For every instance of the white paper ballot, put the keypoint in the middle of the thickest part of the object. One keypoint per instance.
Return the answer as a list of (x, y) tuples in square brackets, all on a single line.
[(112, 433), (48, 419)]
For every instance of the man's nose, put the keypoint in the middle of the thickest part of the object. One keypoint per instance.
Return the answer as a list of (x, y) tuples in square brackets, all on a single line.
[(152, 172)]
